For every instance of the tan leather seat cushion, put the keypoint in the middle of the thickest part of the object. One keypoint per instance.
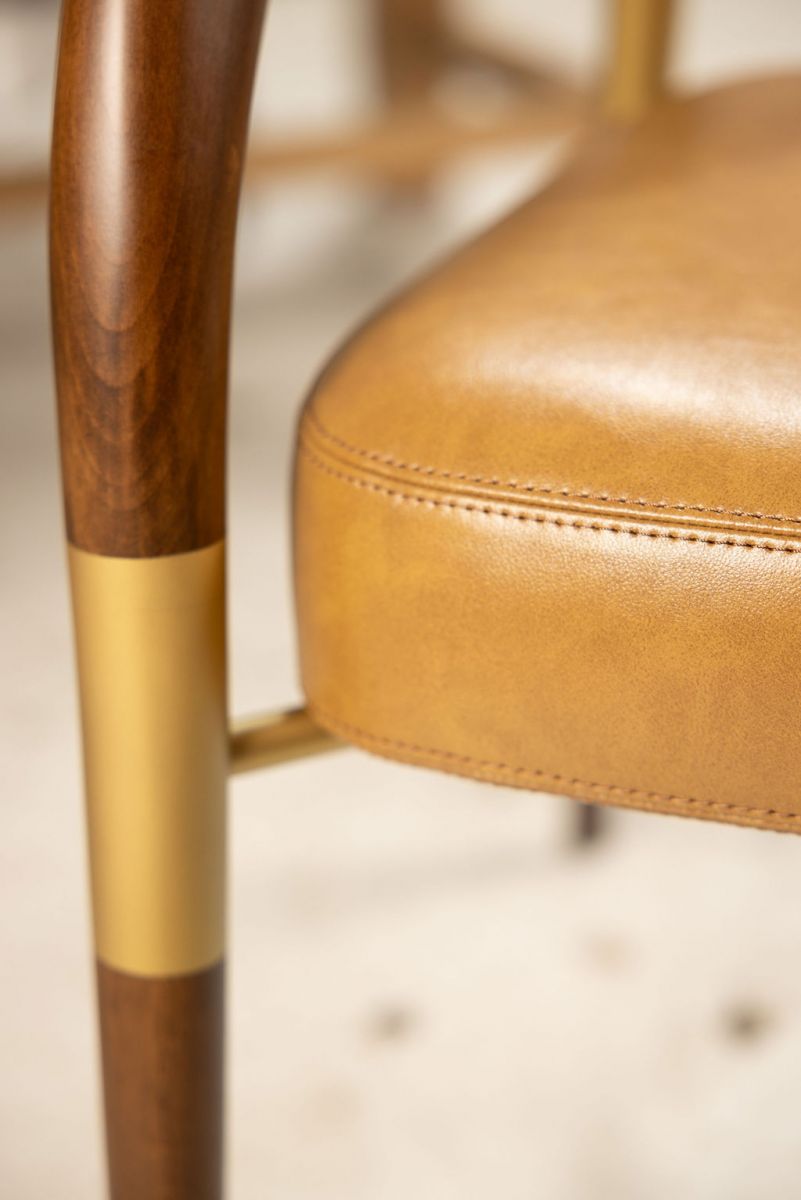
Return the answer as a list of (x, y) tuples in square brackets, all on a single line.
[(548, 502)]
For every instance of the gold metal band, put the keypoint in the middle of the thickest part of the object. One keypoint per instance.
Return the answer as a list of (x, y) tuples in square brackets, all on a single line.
[(151, 658)]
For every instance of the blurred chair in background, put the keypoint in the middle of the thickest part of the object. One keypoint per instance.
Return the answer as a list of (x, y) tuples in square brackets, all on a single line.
[(422, 122), (417, 128)]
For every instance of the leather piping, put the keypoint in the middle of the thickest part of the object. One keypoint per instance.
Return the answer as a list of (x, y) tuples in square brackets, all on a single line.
[(520, 776), (596, 526), (556, 492)]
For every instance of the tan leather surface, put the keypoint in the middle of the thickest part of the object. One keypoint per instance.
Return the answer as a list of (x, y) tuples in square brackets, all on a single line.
[(548, 503)]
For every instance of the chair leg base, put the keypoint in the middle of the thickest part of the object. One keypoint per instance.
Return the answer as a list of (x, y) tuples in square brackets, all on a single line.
[(590, 823), (162, 1046)]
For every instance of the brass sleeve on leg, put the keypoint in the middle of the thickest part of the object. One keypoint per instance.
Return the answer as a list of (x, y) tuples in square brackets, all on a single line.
[(151, 657)]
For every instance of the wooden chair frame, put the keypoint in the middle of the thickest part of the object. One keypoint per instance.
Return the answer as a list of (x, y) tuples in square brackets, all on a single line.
[(149, 141)]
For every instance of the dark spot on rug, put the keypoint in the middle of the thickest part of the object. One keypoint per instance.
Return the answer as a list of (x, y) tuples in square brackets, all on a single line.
[(746, 1021), (608, 952), (392, 1023)]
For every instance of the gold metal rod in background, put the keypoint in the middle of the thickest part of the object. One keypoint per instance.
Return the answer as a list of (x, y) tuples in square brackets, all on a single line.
[(273, 738), (641, 36)]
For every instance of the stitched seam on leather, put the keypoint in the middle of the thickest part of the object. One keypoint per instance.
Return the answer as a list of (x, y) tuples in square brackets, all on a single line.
[(594, 526), (539, 489), (535, 773)]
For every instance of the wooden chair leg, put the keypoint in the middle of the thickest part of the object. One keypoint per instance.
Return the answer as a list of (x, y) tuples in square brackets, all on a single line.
[(151, 657), (410, 47), (589, 824), (163, 1071), (151, 112), (411, 54)]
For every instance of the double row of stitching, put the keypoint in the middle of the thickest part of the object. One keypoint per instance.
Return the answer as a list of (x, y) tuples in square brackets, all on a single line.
[(540, 518), (509, 773), (381, 458)]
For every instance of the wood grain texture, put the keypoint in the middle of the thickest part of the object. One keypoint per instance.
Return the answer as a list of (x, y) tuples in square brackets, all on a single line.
[(163, 1069), (151, 113)]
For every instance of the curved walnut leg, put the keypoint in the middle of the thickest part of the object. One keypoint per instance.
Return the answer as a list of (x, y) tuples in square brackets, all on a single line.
[(151, 114)]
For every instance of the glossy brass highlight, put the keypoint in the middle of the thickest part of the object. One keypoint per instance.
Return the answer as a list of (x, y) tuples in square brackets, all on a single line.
[(151, 658), (273, 738)]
